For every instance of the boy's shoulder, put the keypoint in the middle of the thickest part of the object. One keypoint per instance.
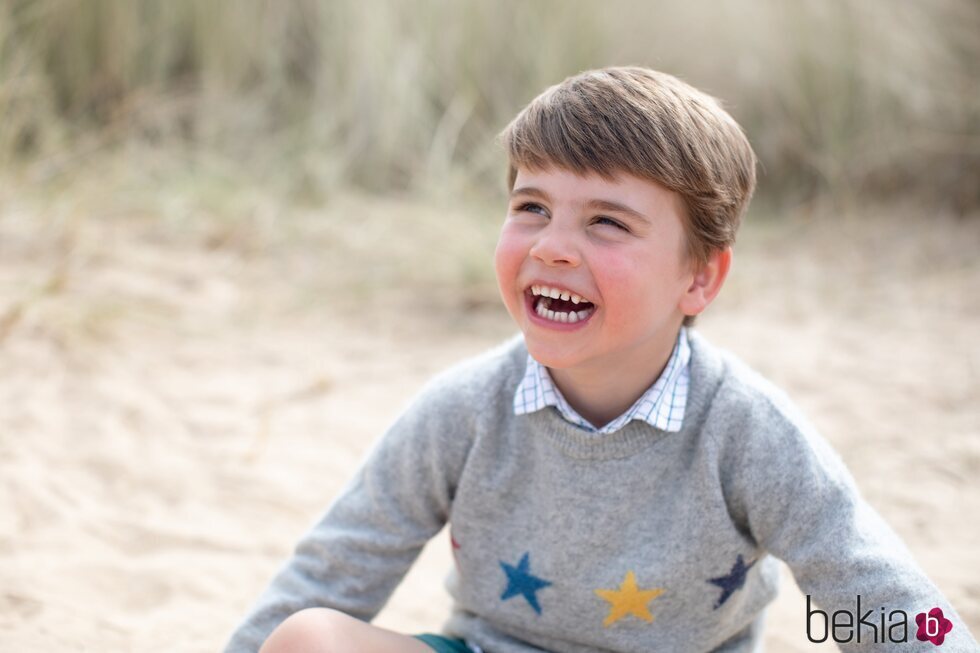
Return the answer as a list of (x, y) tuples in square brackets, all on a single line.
[(458, 403), (749, 416), (739, 395), (484, 381)]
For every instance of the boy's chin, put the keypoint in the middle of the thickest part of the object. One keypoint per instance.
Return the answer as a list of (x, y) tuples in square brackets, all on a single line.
[(547, 356)]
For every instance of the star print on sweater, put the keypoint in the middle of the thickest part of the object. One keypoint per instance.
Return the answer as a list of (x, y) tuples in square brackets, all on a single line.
[(521, 581), (733, 581), (629, 599)]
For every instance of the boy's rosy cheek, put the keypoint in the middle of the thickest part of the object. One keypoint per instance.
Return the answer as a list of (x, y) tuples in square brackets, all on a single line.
[(615, 275), (505, 277), (507, 257)]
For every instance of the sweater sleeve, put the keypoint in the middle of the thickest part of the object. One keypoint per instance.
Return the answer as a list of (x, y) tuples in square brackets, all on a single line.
[(794, 496), (356, 555)]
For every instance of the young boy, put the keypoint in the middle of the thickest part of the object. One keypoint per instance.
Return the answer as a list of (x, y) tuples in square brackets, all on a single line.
[(613, 482)]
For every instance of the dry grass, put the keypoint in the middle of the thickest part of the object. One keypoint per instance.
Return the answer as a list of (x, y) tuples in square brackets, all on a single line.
[(842, 97)]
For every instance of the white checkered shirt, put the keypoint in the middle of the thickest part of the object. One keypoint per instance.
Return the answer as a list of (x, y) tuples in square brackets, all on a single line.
[(661, 406)]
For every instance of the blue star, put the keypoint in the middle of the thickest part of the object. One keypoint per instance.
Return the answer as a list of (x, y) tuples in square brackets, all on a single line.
[(733, 581), (520, 581)]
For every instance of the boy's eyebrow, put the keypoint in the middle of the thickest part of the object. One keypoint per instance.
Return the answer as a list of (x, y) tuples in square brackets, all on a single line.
[(602, 205), (606, 205)]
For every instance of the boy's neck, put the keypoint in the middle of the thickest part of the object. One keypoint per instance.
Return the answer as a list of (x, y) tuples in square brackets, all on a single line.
[(602, 392)]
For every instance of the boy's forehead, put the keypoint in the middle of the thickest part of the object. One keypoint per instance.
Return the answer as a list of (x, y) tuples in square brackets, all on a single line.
[(552, 169), (562, 183)]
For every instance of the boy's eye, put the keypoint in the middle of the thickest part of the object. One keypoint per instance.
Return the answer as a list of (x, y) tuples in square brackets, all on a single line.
[(531, 207), (604, 220)]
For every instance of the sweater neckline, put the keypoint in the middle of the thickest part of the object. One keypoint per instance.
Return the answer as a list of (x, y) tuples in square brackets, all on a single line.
[(635, 436)]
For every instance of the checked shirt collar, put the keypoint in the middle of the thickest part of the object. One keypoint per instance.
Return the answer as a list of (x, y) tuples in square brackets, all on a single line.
[(661, 406)]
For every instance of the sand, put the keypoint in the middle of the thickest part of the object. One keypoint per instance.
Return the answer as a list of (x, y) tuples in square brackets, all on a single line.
[(180, 399)]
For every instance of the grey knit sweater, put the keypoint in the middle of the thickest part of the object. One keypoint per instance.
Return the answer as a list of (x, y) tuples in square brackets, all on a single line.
[(639, 540)]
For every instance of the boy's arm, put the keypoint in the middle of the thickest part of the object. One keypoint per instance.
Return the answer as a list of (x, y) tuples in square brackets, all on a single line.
[(796, 498), (360, 550)]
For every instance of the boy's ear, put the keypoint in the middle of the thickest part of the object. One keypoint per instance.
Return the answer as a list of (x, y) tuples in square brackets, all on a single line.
[(707, 281)]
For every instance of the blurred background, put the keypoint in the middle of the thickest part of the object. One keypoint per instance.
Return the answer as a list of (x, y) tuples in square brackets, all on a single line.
[(228, 228), (315, 98)]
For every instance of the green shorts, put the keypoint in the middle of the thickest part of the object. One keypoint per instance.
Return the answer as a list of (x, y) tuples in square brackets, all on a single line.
[(442, 644)]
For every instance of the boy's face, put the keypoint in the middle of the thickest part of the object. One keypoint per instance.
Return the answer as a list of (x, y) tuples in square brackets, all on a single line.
[(619, 245)]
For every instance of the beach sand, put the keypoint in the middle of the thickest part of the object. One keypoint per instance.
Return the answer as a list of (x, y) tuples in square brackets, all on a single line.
[(179, 402)]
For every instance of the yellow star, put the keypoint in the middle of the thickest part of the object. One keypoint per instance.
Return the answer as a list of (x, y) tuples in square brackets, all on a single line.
[(628, 599)]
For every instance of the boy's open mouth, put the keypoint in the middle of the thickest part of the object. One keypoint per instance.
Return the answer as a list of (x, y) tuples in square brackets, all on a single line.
[(560, 305)]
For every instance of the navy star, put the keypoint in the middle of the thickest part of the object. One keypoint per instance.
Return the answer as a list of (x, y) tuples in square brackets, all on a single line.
[(733, 581), (521, 581)]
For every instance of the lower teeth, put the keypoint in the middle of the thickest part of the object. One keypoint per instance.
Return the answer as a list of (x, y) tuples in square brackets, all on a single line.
[(571, 317)]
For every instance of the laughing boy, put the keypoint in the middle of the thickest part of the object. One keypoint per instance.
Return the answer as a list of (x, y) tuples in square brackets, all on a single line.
[(613, 481)]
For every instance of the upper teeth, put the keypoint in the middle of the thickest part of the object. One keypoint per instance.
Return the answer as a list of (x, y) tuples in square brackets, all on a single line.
[(555, 293)]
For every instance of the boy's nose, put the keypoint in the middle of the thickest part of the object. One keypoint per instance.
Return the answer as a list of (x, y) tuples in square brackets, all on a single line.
[(555, 248)]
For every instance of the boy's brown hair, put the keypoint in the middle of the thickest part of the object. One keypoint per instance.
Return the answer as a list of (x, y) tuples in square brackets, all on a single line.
[(653, 126)]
